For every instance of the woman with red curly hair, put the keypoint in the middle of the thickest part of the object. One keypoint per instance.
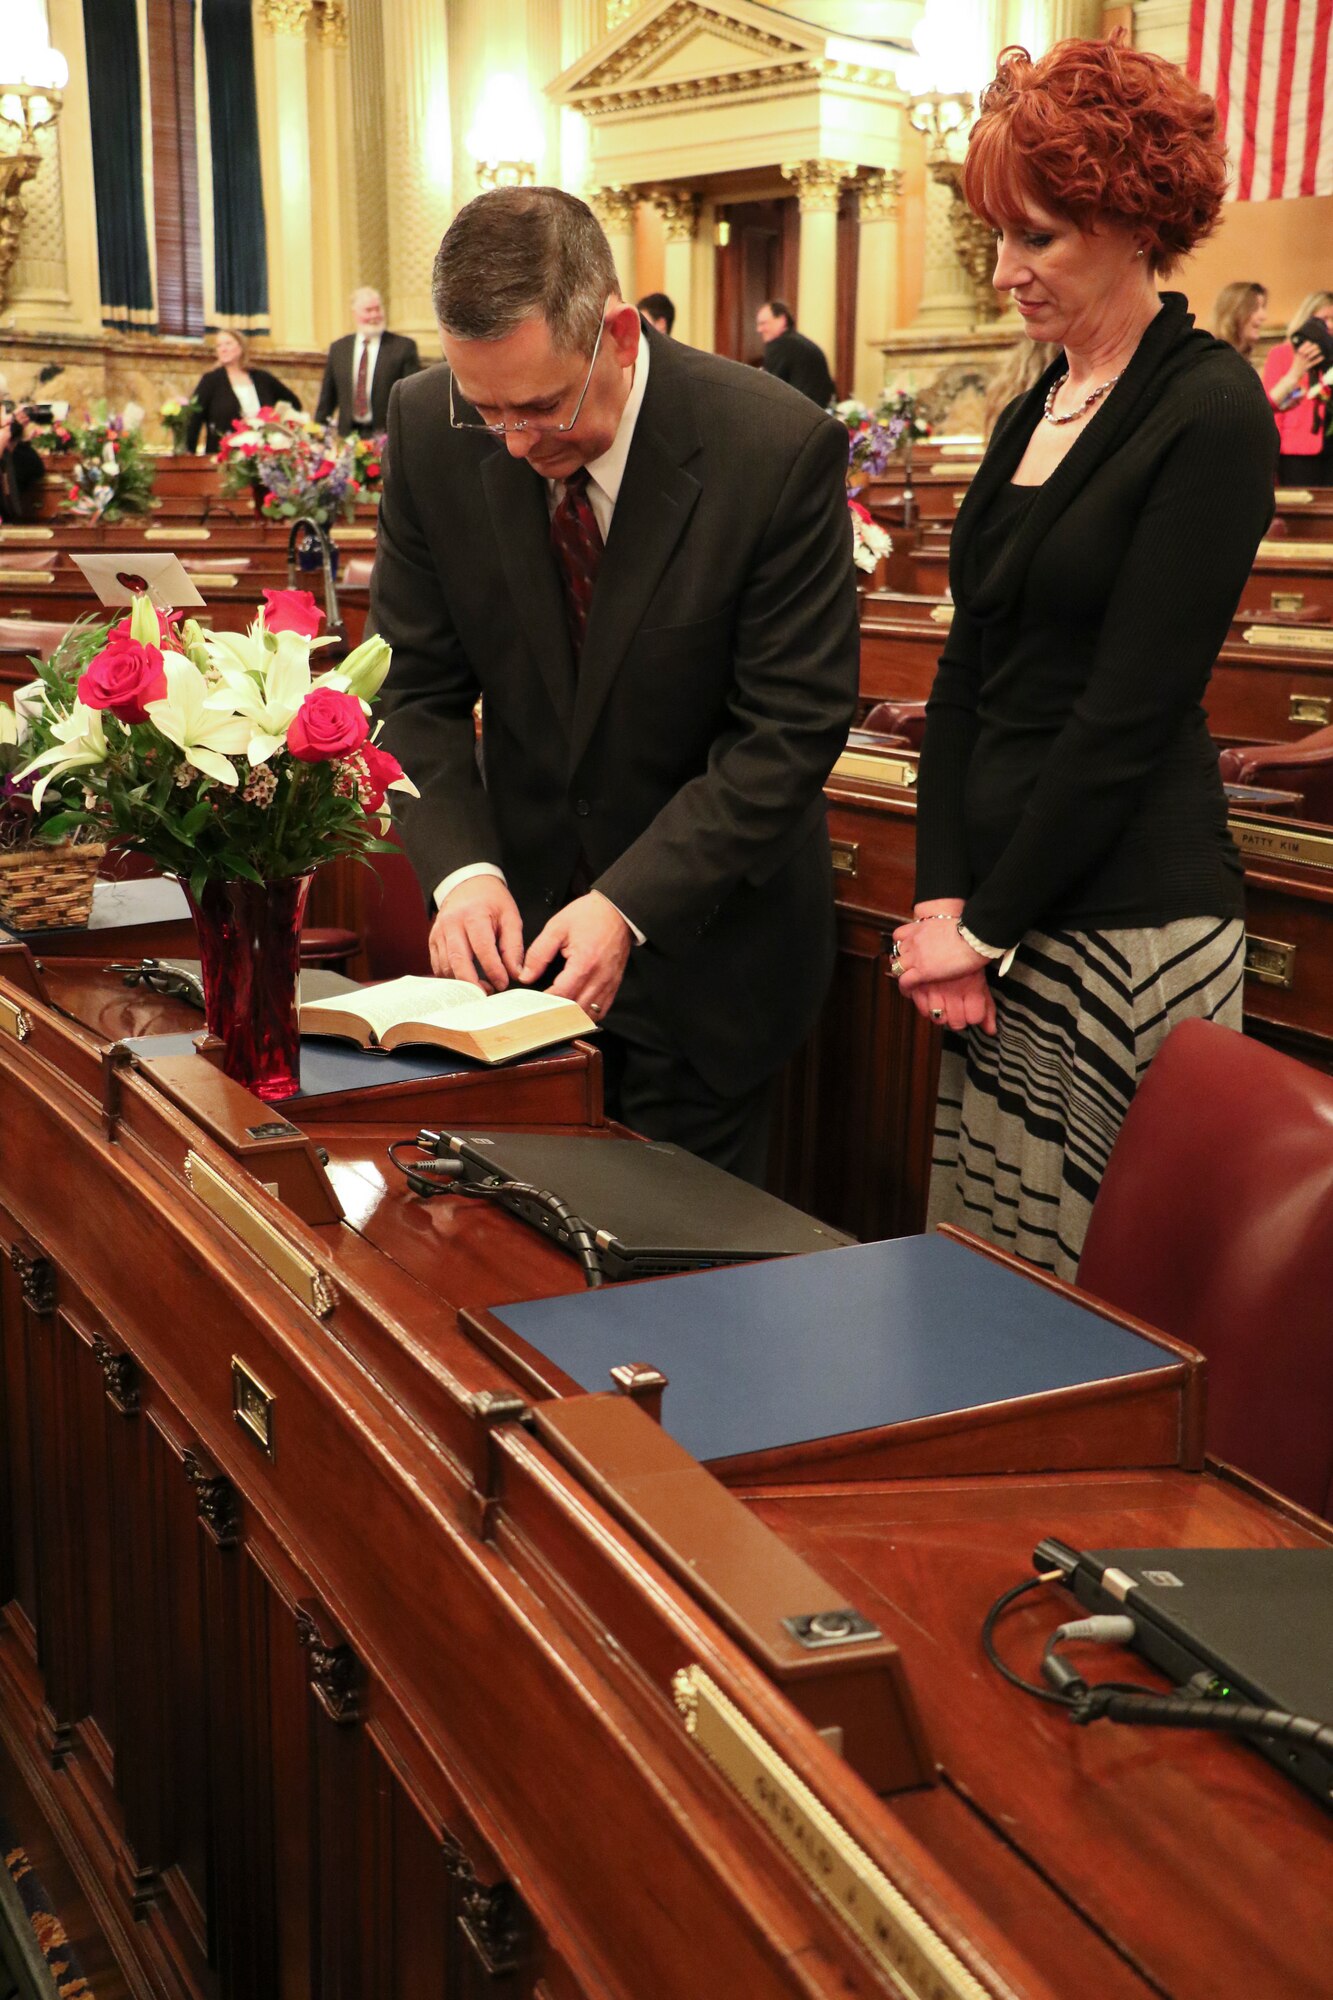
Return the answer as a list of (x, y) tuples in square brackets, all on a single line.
[(1078, 890)]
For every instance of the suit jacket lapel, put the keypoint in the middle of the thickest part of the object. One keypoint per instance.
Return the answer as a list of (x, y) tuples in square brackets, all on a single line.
[(657, 496), (517, 501)]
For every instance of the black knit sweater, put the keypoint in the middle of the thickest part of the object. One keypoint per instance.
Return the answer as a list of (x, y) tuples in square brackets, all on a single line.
[(1067, 775)]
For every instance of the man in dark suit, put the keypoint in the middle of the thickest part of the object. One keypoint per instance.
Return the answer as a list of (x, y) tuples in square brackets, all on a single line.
[(639, 555), (362, 368), (790, 356)]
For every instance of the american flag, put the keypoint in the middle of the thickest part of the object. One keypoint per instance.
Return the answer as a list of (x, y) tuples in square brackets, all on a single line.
[(1269, 64)]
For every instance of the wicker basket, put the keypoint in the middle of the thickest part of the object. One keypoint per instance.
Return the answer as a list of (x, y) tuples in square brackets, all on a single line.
[(49, 888)]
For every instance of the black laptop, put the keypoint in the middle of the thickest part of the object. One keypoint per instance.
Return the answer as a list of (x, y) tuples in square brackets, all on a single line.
[(653, 1209), (1257, 1622)]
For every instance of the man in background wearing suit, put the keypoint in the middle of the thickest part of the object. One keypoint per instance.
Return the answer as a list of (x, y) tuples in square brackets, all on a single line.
[(639, 555), (362, 368), (791, 356)]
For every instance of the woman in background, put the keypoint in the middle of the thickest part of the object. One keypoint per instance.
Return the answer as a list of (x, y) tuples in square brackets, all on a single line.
[(1078, 890), (1300, 402), (231, 390), (1025, 363), (1240, 316)]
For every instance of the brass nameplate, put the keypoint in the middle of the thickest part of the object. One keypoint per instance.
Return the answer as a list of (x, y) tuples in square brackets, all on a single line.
[(28, 579), (252, 1405), (951, 471), (178, 534), (891, 1928), (1303, 638), (1279, 551), (287, 1264), (846, 856), (941, 614), (883, 769), (1270, 961), (341, 535), (1293, 496), (28, 534), (1287, 600), (13, 1021), (212, 579), (1309, 708), (1274, 841)]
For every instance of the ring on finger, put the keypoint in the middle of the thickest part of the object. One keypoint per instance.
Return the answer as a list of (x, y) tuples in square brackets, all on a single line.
[(594, 1007), (937, 1013)]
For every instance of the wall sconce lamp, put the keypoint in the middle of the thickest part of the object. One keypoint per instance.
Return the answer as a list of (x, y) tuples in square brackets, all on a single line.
[(506, 138), (32, 77), (941, 80)]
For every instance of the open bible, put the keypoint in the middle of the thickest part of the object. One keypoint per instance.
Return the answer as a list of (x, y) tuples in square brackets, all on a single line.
[(447, 1013)]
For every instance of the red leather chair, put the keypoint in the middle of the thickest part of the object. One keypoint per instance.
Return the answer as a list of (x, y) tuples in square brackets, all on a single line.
[(904, 719), (1305, 766), (1214, 1222)]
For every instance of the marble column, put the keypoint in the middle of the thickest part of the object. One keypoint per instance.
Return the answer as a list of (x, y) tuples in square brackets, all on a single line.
[(334, 222), (418, 163), (818, 184), (947, 297), (614, 208), (679, 209), (878, 192), (289, 197)]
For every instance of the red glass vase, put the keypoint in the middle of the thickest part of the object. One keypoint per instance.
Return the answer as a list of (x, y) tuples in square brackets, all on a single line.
[(250, 951)]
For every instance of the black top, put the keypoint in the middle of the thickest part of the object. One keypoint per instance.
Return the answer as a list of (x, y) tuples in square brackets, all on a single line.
[(793, 358), (1067, 774), (219, 409)]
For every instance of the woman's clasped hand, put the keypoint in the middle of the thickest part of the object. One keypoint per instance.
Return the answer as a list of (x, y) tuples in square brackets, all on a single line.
[(941, 974)]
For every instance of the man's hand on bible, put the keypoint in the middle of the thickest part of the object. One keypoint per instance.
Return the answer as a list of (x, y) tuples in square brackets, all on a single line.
[(594, 940), (478, 935)]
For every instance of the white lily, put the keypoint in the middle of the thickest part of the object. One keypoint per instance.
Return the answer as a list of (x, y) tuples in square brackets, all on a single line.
[(270, 698), (206, 736), (29, 701), (363, 671), (9, 725), (82, 743)]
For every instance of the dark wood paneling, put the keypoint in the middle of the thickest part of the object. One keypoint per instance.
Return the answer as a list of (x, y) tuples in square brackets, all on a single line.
[(849, 239), (176, 232)]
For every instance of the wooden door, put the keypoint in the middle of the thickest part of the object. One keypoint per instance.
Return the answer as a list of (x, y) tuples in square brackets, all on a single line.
[(758, 261)]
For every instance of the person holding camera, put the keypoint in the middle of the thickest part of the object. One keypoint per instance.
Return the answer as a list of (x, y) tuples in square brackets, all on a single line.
[(1294, 378), (21, 468)]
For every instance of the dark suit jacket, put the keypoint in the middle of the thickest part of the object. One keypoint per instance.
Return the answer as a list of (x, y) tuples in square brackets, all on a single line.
[(219, 409), (396, 359), (685, 764), (793, 358)]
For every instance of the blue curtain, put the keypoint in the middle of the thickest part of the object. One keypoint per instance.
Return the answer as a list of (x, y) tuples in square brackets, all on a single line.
[(240, 247), (111, 32)]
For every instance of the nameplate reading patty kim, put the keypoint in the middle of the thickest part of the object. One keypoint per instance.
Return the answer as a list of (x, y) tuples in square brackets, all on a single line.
[(892, 1930), (1275, 842)]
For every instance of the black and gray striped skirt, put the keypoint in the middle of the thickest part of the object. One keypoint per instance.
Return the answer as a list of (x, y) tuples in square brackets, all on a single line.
[(1027, 1117)]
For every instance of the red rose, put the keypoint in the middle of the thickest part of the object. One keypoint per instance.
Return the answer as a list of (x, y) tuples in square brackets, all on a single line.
[(324, 468), (372, 468), (292, 611), (857, 508), (264, 412), (249, 450), (380, 771), (124, 678), (327, 725)]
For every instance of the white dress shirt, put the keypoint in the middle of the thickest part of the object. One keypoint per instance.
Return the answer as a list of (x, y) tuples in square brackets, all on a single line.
[(604, 478), (247, 396)]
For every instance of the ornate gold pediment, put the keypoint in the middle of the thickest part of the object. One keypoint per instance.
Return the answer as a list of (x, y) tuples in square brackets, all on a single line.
[(682, 50)]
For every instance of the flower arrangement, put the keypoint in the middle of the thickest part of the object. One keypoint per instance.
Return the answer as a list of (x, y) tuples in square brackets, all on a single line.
[(296, 467), (175, 414), (220, 755), (870, 543), (111, 474), (877, 433)]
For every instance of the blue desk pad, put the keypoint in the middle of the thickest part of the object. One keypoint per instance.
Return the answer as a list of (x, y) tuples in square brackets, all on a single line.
[(778, 1353), (328, 1066)]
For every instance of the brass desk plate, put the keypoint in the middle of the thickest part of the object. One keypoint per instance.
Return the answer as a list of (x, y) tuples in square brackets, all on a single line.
[(252, 1405), (952, 469), (893, 1931), (1320, 552), (941, 614), (1293, 496), (881, 770), (178, 534), (28, 579), (1305, 638), (1276, 842), (27, 534), (359, 536), (1270, 961), (289, 1267), (13, 1021)]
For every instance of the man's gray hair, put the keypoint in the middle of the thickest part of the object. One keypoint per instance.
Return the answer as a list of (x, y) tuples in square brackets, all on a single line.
[(363, 293), (520, 253)]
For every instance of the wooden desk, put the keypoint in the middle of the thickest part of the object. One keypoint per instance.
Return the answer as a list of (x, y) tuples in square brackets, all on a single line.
[(387, 1708)]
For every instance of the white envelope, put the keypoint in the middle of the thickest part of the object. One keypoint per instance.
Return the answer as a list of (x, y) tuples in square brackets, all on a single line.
[(118, 574)]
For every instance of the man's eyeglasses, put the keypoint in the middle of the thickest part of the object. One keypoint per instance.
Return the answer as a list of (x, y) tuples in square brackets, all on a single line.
[(536, 426)]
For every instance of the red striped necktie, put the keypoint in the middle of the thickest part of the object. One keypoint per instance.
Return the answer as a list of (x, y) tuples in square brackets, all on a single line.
[(576, 543)]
